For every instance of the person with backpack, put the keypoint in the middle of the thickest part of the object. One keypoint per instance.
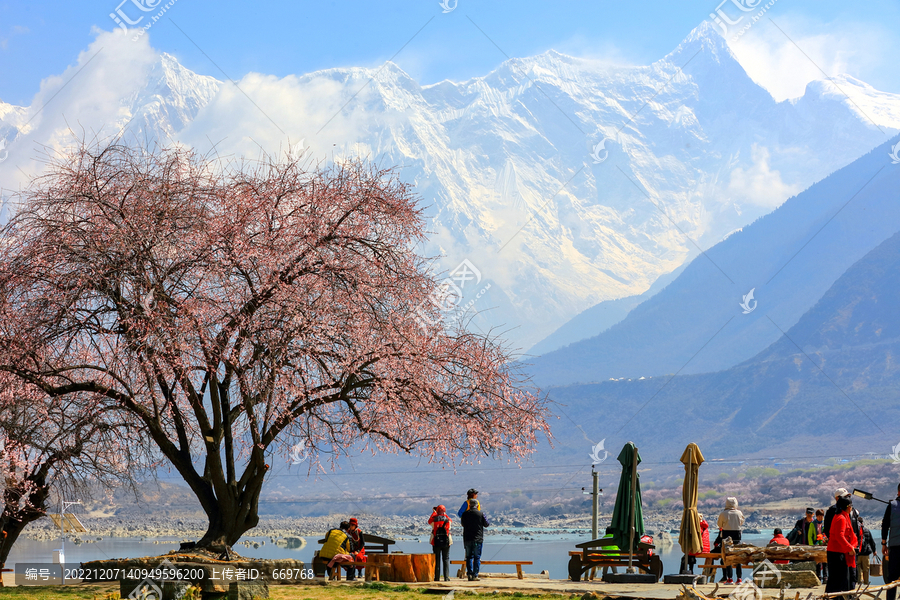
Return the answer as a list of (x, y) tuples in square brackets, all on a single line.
[(470, 503), (441, 541), (866, 549), (473, 523)]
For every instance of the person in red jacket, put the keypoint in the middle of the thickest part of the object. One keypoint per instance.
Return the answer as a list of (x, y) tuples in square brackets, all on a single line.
[(842, 543), (441, 540), (779, 540), (704, 546)]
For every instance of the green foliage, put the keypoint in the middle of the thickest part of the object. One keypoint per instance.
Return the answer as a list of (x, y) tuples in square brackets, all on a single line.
[(376, 585), (758, 472)]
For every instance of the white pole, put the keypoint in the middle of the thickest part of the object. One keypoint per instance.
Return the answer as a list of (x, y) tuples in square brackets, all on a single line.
[(596, 505)]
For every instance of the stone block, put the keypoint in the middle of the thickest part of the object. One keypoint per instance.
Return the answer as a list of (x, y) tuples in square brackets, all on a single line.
[(248, 590), (807, 565), (796, 579)]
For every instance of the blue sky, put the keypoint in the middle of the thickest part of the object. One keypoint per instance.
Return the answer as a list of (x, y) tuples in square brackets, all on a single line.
[(40, 39)]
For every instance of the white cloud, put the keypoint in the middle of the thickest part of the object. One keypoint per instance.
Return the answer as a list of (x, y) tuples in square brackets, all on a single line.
[(759, 185), (85, 101), (785, 67), (262, 112)]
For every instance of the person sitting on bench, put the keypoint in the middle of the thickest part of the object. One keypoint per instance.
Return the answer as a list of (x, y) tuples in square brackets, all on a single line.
[(336, 550)]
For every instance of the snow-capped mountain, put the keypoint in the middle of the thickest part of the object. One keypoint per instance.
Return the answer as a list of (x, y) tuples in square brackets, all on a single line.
[(564, 181)]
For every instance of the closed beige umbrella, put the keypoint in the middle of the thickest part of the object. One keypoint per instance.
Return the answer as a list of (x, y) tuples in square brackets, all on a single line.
[(689, 536)]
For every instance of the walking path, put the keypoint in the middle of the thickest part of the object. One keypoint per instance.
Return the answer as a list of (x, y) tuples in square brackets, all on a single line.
[(656, 591)]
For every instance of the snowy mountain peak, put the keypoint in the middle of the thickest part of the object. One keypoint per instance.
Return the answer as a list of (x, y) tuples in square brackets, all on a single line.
[(539, 172), (706, 39), (872, 106)]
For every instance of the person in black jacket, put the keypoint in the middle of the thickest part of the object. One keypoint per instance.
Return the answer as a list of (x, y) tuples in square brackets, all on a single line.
[(890, 543), (800, 533), (473, 524), (866, 549)]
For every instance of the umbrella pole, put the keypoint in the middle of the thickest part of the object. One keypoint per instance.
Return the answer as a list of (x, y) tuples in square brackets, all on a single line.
[(688, 474), (632, 512)]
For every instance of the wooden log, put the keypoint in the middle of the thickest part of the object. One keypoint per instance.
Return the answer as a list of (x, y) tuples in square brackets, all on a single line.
[(423, 567), (743, 554), (401, 568)]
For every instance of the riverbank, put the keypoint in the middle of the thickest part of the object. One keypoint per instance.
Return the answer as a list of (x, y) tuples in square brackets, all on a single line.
[(398, 527)]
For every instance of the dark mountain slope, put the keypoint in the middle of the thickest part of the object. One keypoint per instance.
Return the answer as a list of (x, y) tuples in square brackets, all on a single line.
[(790, 258), (829, 386)]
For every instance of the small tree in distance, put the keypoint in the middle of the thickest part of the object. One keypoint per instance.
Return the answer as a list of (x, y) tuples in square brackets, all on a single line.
[(64, 444), (231, 309)]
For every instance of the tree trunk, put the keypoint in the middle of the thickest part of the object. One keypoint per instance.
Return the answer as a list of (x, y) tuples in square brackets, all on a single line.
[(13, 520), (232, 508)]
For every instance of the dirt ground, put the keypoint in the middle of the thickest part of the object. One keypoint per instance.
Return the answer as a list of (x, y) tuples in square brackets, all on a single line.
[(487, 587)]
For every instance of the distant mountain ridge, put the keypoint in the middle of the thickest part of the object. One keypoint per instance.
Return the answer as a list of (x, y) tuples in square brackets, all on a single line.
[(789, 257), (504, 162), (829, 385)]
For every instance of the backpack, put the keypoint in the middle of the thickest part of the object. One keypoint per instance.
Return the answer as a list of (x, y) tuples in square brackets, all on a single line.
[(442, 537)]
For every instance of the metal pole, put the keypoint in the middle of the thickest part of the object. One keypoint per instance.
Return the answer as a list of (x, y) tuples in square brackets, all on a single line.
[(596, 505), (62, 543), (631, 511)]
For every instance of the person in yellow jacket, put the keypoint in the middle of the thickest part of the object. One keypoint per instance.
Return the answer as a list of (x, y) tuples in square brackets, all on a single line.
[(336, 549)]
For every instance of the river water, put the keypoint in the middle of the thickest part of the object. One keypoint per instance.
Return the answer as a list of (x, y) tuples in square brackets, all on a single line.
[(547, 551)]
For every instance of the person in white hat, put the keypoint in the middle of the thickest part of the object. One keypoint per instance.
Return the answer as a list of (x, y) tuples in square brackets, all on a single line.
[(854, 522)]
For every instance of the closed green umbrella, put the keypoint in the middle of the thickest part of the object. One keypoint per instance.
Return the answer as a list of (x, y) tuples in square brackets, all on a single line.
[(627, 510), (689, 535)]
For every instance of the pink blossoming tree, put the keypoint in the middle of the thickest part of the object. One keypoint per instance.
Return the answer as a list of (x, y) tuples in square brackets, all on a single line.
[(236, 310), (65, 444)]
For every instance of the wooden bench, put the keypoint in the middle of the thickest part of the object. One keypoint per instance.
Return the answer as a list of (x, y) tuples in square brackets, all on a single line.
[(708, 566), (593, 556), (374, 546), (373, 569), (518, 563)]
